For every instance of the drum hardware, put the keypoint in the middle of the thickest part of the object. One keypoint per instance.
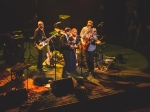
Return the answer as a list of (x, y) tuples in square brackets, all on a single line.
[(100, 62), (58, 57), (54, 48), (59, 31)]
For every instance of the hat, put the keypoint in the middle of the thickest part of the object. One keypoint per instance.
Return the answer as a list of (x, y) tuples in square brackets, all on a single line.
[(90, 23)]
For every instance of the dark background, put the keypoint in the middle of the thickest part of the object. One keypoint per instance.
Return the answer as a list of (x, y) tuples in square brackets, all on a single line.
[(18, 14)]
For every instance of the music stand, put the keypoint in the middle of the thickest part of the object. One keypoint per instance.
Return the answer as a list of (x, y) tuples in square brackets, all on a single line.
[(30, 54)]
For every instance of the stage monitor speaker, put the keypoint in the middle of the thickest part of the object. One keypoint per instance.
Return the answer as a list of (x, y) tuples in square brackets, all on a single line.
[(41, 80), (16, 96), (62, 87), (65, 21)]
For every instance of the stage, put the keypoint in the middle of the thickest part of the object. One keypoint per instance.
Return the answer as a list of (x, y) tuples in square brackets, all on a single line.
[(123, 86)]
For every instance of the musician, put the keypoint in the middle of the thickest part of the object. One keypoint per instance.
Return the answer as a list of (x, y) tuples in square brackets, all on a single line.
[(65, 50), (88, 39), (74, 40), (39, 35)]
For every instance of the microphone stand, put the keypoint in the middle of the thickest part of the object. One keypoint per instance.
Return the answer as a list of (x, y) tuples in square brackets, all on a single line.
[(30, 54), (81, 64), (101, 50), (101, 24), (101, 29), (54, 57)]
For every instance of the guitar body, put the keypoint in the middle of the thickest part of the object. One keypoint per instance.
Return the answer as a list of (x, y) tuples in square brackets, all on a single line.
[(85, 47)]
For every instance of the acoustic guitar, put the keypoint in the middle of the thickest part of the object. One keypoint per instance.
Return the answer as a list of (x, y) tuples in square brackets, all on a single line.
[(49, 60), (86, 40), (87, 43)]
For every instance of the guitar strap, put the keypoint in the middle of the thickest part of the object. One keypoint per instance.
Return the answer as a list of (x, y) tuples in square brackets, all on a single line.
[(44, 36)]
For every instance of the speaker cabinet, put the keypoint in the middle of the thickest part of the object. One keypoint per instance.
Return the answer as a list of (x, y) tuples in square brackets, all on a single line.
[(14, 51), (62, 87), (16, 95)]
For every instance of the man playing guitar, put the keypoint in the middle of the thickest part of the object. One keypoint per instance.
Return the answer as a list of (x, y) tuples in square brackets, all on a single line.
[(39, 35), (88, 38)]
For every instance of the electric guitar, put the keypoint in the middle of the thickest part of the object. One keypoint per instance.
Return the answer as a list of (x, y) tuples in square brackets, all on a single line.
[(42, 44)]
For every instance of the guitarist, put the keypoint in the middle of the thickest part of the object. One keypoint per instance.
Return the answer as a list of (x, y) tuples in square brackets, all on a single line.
[(39, 35), (88, 39)]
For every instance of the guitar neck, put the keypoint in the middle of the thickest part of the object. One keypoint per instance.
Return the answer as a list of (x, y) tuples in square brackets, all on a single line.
[(48, 39)]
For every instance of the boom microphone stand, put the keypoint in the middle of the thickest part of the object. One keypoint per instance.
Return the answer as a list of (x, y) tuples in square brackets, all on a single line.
[(81, 62), (101, 24), (101, 49), (30, 54), (54, 57)]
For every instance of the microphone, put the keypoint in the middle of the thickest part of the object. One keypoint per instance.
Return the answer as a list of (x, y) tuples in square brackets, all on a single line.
[(58, 23), (100, 24)]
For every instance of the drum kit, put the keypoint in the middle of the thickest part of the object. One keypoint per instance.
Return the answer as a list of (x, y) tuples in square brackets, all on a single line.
[(59, 31)]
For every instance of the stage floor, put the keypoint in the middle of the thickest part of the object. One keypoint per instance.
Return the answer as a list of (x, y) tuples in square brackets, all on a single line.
[(123, 86)]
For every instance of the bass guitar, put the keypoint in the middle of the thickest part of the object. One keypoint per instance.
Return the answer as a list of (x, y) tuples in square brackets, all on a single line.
[(42, 44)]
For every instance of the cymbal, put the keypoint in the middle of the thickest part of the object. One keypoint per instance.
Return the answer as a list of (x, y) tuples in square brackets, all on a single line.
[(59, 30)]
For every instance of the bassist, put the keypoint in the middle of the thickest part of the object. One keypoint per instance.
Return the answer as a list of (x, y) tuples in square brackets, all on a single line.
[(39, 35)]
